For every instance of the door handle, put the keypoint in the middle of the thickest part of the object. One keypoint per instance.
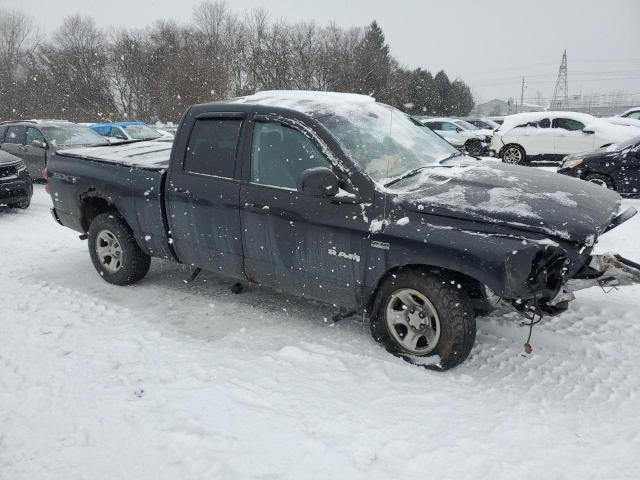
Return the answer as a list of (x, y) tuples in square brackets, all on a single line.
[(257, 208), (183, 192)]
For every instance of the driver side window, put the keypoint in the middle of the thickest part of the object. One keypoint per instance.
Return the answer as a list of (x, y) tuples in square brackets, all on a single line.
[(280, 154), (34, 134)]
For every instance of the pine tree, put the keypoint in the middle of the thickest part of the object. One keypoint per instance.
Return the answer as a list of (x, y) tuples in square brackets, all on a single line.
[(373, 71)]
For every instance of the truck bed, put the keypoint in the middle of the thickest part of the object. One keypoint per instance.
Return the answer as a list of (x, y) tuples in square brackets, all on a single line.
[(130, 176), (150, 155)]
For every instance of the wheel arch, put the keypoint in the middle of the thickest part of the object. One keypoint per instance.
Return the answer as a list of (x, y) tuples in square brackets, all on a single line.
[(93, 204), (474, 288)]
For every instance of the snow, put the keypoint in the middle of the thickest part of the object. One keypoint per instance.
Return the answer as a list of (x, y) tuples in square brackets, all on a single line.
[(164, 380), (613, 131)]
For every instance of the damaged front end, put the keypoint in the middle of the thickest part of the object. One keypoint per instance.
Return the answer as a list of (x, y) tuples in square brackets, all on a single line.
[(554, 275)]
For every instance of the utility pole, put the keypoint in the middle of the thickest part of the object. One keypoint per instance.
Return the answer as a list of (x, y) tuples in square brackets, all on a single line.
[(522, 94)]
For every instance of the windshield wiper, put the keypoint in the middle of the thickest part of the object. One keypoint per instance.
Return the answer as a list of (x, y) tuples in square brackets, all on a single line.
[(410, 173), (453, 155)]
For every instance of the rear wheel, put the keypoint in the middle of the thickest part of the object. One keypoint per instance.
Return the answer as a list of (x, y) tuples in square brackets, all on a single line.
[(419, 314), (114, 251), (601, 180), (514, 154)]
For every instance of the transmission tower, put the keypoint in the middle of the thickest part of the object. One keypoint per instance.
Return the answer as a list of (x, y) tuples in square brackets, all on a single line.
[(560, 98)]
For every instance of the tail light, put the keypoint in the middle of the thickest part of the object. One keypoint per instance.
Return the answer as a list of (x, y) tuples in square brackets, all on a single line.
[(45, 174)]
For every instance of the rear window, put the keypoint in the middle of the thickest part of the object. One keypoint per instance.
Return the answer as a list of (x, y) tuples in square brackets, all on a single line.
[(213, 146)]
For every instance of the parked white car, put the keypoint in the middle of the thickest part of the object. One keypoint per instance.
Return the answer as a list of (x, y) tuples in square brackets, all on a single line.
[(633, 113), (552, 135), (461, 134)]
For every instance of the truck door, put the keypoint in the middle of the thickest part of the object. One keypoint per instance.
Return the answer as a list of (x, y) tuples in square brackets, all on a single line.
[(202, 196), (35, 156), (310, 246)]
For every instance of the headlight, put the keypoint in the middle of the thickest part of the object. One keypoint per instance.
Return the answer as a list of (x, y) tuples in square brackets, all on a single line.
[(573, 163), (21, 167)]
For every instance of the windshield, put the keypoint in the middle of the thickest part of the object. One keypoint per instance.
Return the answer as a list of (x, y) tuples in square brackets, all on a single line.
[(622, 145), (466, 125), (385, 142), (72, 135), (141, 132)]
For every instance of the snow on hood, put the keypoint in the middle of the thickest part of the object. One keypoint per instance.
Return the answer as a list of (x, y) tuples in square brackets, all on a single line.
[(519, 197)]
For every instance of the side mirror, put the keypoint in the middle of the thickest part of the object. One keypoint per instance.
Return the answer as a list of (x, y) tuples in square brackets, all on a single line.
[(318, 182), (458, 129), (588, 130), (39, 144)]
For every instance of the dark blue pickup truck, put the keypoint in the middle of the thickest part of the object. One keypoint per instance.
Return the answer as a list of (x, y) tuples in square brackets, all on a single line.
[(344, 200)]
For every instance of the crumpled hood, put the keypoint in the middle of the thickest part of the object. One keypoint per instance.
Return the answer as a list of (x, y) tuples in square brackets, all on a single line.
[(523, 198)]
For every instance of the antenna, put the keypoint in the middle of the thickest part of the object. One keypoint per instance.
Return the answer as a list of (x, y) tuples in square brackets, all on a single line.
[(560, 97)]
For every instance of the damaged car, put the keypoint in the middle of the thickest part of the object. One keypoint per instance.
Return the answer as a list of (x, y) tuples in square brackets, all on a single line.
[(344, 200)]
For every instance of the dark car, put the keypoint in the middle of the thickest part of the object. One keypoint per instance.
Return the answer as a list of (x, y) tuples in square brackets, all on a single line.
[(35, 141), (344, 200), (616, 167), (15, 182)]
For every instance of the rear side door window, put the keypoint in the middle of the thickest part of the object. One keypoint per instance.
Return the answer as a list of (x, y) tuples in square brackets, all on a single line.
[(448, 126), (544, 123), (280, 154), (2, 132), (16, 135), (213, 147), (568, 124)]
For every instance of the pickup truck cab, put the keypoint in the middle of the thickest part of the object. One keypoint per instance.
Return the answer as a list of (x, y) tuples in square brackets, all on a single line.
[(344, 200)]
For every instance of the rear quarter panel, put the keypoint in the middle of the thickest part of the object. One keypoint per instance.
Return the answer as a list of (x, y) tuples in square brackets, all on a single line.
[(134, 192)]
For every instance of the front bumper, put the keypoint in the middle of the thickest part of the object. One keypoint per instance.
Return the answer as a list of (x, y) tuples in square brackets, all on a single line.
[(15, 189)]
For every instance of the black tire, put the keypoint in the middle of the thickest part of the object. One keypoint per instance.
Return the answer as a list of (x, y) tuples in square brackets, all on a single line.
[(513, 154), (473, 147), (456, 316), (601, 180), (133, 262), (23, 205)]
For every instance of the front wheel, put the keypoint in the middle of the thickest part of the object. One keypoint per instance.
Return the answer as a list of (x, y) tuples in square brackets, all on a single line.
[(513, 154), (419, 314), (601, 181), (114, 251), (473, 147), (23, 205)]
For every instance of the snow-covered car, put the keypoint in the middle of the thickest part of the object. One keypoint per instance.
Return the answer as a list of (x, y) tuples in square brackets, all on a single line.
[(460, 134), (616, 167), (553, 135), (338, 198), (482, 122), (633, 113)]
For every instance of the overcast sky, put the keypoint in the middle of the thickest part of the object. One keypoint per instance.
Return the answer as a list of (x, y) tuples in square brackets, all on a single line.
[(490, 44)]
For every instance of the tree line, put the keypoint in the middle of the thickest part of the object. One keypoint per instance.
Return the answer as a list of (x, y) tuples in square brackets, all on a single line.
[(85, 73)]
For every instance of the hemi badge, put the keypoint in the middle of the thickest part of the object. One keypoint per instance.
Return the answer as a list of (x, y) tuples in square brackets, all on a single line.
[(380, 245)]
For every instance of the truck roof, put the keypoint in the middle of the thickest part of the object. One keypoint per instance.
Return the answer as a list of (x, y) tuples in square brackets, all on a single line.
[(309, 102)]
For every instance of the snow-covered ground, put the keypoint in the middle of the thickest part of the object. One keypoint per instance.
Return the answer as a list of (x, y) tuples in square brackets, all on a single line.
[(165, 380)]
